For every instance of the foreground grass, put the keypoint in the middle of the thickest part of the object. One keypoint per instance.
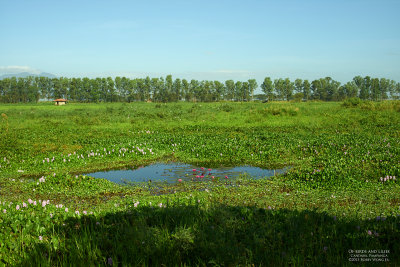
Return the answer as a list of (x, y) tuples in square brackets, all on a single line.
[(333, 198)]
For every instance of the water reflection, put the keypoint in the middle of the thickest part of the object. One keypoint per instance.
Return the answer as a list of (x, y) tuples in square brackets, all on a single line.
[(173, 172)]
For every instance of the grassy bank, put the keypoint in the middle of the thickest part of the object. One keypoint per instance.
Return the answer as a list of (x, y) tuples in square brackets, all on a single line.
[(340, 194)]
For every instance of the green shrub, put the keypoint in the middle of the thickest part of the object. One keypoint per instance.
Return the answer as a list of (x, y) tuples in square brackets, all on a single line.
[(352, 102)]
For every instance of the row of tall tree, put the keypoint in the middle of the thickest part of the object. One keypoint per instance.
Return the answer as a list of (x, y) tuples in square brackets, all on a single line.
[(122, 89), (327, 89)]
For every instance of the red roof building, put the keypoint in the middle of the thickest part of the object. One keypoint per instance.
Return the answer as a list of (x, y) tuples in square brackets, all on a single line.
[(60, 101)]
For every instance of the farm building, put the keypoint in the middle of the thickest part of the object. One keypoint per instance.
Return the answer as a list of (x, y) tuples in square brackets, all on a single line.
[(60, 101)]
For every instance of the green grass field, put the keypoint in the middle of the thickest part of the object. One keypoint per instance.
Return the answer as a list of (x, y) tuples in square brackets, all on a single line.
[(340, 195)]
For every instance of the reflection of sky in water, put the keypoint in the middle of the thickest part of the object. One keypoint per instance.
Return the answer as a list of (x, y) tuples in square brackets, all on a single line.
[(172, 171)]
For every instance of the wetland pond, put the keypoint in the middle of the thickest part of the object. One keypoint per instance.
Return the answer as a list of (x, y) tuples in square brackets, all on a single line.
[(174, 172)]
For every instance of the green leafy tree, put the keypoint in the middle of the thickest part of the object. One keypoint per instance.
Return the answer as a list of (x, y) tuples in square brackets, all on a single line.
[(238, 90), (194, 89), (154, 89), (397, 90), (167, 96), (349, 90), (111, 90), (252, 87), (306, 90), (298, 86), (384, 86), (245, 95), (123, 93), (185, 90), (74, 88), (202, 91), (268, 88), (375, 92), (365, 87), (332, 89), (162, 90), (279, 88), (93, 90), (146, 88), (392, 89), (230, 90), (288, 89), (131, 89), (176, 90), (86, 89), (118, 86), (2, 91), (219, 91), (33, 90)]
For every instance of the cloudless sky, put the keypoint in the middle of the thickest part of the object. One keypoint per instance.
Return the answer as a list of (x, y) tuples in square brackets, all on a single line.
[(214, 40)]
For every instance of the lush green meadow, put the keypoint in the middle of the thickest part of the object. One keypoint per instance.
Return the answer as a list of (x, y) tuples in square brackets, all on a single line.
[(340, 194)]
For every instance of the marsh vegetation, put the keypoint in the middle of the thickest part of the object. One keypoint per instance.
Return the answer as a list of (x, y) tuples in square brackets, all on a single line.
[(341, 192)]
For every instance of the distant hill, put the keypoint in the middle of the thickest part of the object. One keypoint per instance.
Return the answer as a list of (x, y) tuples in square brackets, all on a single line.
[(27, 74)]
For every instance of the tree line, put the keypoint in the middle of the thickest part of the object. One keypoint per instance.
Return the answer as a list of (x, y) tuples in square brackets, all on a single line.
[(122, 89)]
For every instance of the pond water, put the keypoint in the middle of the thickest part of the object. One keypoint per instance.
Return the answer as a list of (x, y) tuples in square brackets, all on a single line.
[(171, 172)]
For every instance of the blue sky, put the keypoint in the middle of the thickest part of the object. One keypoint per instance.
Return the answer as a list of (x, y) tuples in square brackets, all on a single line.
[(214, 40)]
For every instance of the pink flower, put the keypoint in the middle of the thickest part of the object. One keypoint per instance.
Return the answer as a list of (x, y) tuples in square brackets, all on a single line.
[(226, 177), (369, 232), (84, 212), (24, 205), (77, 212), (212, 177), (17, 207), (4, 211), (34, 202), (194, 170), (40, 238), (30, 201), (136, 204), (66, 209), (44, 204), (209, 170), (97, 223), (180, 180), (109, 261)]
